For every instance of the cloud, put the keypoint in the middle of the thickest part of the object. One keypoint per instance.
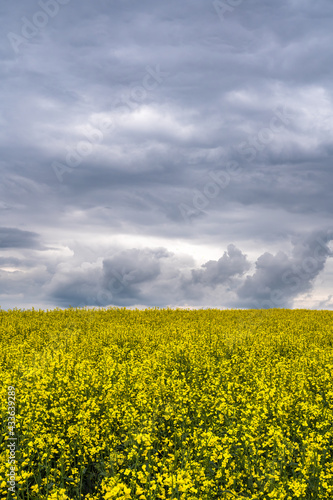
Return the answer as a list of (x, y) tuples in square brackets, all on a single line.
[(213, 273), (125, 273), (157, 277), (11, 237), (280, 278), (143, 107)]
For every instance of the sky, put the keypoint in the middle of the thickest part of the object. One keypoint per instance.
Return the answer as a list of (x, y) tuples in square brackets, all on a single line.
[(166, 154)]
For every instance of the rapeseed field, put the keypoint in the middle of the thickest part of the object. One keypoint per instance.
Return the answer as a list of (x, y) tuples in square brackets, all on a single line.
[(166, 404)]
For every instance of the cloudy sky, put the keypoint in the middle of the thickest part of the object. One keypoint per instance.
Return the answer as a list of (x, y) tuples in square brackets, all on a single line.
[(171, 153)]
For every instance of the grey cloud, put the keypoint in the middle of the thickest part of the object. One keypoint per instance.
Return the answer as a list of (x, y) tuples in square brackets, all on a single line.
[(77, 287), (158, 277), (280, 278), (9, 261), (124, 279), (11, 237), (232, 263), (226, 79), (124, 272), (155, 277)]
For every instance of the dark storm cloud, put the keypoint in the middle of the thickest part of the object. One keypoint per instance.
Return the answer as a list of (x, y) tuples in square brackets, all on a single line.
[(123, 117), (280, 278), (129, 277), (131, 268), (16, 238), (233, 262), (156, 277), (76, 288)]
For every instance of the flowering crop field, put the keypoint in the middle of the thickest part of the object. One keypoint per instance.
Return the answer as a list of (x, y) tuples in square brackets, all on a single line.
[(166, 404)]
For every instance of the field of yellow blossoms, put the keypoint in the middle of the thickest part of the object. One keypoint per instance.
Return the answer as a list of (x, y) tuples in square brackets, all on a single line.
[(166, 404)]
